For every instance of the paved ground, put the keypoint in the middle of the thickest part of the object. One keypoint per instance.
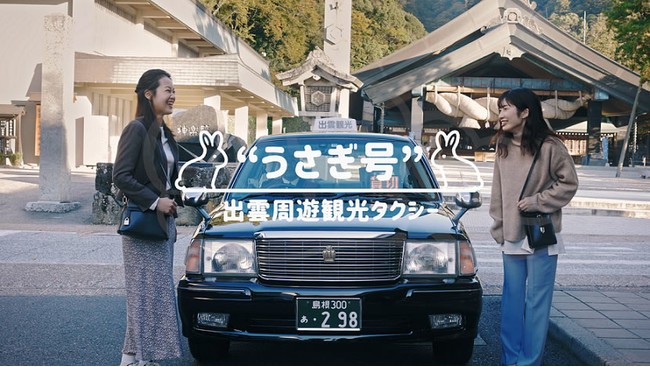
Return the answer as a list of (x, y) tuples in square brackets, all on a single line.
[(602, 327)]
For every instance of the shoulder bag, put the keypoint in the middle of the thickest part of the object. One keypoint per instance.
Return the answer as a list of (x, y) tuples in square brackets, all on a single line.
[(538, 226), (139, 224)]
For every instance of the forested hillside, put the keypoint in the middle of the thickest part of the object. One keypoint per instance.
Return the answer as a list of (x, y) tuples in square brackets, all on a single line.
[(566, 14), (285, 31), (434, 13)]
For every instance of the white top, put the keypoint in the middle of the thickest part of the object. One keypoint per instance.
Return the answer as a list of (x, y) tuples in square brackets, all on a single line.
[(521, 247), (169, 155), (170, 163)]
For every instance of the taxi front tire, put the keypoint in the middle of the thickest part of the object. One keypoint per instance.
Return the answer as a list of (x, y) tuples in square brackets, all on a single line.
[(208, 351), (454, 352)]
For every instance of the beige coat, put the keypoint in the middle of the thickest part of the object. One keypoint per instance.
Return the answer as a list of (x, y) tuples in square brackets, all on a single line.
[(553, 184)]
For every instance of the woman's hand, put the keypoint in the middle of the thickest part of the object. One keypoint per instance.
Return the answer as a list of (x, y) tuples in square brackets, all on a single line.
[(526, 204), (167, 206)]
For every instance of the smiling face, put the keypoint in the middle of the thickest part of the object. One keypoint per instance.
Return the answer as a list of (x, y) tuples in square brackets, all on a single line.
[(162, 98), (512, 120)]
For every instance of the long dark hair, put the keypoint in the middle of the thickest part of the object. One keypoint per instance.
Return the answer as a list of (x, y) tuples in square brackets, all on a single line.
[(536, 130), (149, 81)]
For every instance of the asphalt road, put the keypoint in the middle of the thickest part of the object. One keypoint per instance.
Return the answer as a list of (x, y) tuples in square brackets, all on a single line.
[(601, 252), (62, 303), (62, 299), (89, 330)]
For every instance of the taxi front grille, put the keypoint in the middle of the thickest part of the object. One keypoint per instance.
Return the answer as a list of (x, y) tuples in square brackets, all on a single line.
[(314, 260)]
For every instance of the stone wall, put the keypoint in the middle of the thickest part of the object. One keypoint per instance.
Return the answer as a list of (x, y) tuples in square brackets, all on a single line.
[(106, 209)]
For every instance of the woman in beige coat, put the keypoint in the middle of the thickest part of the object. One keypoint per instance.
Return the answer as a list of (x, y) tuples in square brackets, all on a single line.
[(529, 274)]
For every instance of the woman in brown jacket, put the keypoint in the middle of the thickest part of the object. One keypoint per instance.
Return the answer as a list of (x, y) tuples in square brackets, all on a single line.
[(529, 274), (145, 166)]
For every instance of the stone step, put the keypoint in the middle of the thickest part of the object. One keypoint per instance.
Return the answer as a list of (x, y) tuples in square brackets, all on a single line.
[(608, 204), (643, 214), (591, 206)]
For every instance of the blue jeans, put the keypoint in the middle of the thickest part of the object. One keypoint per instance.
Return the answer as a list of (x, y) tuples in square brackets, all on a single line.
[(528, 282)]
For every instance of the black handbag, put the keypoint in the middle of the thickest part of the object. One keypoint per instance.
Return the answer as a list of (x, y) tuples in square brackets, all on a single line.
[(539, 229), (538, 226), (142, 225)]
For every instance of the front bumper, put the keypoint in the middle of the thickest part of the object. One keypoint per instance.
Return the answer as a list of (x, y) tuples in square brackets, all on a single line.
[(397, 312)]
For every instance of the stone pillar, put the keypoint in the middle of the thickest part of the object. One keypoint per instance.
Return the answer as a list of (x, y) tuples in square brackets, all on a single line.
[(174, 46), (139, 20), (241, 123), (344, 103), (261, 124), (276, 126), (96, 142), (417, 117), (222, 120), (594, 118), (338, 24), (57, 128), (215, 102)]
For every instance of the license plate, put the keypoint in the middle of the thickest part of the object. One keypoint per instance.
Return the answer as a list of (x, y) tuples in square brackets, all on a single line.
[(328, 314)]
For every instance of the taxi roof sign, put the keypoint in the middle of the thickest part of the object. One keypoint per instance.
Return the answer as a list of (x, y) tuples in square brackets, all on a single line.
[(334, 124)]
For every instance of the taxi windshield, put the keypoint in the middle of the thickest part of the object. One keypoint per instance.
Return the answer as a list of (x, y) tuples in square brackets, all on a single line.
[(309, 164)]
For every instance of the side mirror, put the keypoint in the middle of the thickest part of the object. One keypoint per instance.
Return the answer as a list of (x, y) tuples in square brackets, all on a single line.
[(468, 200), (195, 199)]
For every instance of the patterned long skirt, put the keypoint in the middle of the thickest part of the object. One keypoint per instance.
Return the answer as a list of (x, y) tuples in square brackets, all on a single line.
[(152, 324)]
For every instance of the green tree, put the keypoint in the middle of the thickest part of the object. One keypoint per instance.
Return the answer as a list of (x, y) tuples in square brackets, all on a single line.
[(364, 49), (630, 20), (600, 37), (234, 14), (435, 13), (287, 30), (379, 28), (590, 6), (282, 30), (631, 24), (597, 35), (566, 20), (295, 125)]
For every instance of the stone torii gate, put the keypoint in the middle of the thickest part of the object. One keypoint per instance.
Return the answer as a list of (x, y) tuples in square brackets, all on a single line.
[(57, 127)]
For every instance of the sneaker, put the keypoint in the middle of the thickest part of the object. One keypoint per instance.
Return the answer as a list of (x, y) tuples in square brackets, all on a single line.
[(147, 363), (127, 360)]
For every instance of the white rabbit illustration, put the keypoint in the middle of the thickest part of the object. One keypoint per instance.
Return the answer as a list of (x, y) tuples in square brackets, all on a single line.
[(207, 140), (451, 139)]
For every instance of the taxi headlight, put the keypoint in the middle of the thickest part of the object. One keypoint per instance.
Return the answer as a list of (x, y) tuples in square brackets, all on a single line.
[(430, 258), (229, 257)]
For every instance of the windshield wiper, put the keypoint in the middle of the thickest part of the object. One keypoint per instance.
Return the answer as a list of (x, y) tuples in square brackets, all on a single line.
[(383, 196), (253, 195), (420, 196)]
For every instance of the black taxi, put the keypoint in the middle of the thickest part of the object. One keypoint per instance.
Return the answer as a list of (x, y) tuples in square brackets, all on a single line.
[(332, 237)]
